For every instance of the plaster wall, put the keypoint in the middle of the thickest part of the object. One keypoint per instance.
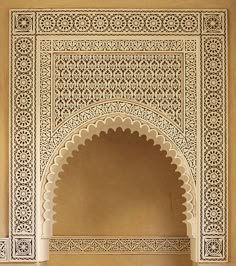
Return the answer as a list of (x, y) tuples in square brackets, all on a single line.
[(5, 5), (119, 184)]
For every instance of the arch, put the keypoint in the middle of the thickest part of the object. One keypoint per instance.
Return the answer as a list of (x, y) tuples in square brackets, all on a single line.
[(61, 154)]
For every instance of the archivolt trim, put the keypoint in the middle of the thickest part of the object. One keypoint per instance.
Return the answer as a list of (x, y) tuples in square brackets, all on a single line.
[(62, 153)]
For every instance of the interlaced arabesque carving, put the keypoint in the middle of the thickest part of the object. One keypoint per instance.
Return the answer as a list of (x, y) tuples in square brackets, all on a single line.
[(171, 45), (88, 245), (51, 137), (199, 131), (151, 79)]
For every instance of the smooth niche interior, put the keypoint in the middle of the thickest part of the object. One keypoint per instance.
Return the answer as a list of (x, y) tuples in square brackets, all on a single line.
[(119, 184)]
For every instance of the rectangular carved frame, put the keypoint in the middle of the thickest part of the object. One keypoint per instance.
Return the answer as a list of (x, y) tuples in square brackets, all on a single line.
[(36, 31)]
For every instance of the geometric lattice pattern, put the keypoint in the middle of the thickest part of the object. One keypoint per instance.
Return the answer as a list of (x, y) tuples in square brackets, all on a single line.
[(59, 103), (151, 79), (164, 68)]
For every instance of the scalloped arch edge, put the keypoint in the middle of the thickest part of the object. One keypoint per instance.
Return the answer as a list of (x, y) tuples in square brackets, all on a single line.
[(62, 153)]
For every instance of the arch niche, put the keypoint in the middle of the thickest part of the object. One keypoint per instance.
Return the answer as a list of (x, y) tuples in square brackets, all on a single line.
[(94, 127)]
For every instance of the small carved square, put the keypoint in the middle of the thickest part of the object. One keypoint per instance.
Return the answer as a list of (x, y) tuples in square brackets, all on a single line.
[(45, 45), (190, 45), (213, 248), (24, 23), (23, 248), (3, 249), (212, 23)]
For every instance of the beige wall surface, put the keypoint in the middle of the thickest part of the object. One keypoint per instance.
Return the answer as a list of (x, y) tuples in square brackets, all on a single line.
[(110, 187), (5, 5)]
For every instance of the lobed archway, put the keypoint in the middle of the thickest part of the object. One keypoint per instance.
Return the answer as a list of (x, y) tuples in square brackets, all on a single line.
[(82, 134)]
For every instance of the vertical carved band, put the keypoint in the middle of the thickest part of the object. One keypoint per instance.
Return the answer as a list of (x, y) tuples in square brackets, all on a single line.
[(213, 190), (22, 130)]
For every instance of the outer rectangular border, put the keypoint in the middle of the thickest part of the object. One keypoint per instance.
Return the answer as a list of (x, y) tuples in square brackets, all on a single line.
[(24, 24)]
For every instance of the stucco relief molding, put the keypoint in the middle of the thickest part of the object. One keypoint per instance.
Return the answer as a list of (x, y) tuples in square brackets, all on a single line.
[(4, 249), (206, 135), (95, 127), (119, 245)]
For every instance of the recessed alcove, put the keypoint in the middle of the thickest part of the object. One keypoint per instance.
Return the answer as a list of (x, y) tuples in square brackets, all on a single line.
[(118, 184)]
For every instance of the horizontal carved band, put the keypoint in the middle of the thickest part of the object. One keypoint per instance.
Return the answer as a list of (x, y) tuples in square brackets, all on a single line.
[(119, 245)]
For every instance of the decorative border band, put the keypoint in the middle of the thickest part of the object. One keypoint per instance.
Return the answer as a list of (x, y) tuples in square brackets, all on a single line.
[(119, 245)]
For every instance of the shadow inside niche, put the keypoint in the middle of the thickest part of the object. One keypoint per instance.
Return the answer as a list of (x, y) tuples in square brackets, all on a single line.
[(119, 184)]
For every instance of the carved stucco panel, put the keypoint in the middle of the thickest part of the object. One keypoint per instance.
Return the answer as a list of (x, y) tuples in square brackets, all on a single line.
[(196, 40)]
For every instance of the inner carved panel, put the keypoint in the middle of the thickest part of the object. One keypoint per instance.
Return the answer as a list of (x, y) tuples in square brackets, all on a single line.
[(110, 187), (153, 79)]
